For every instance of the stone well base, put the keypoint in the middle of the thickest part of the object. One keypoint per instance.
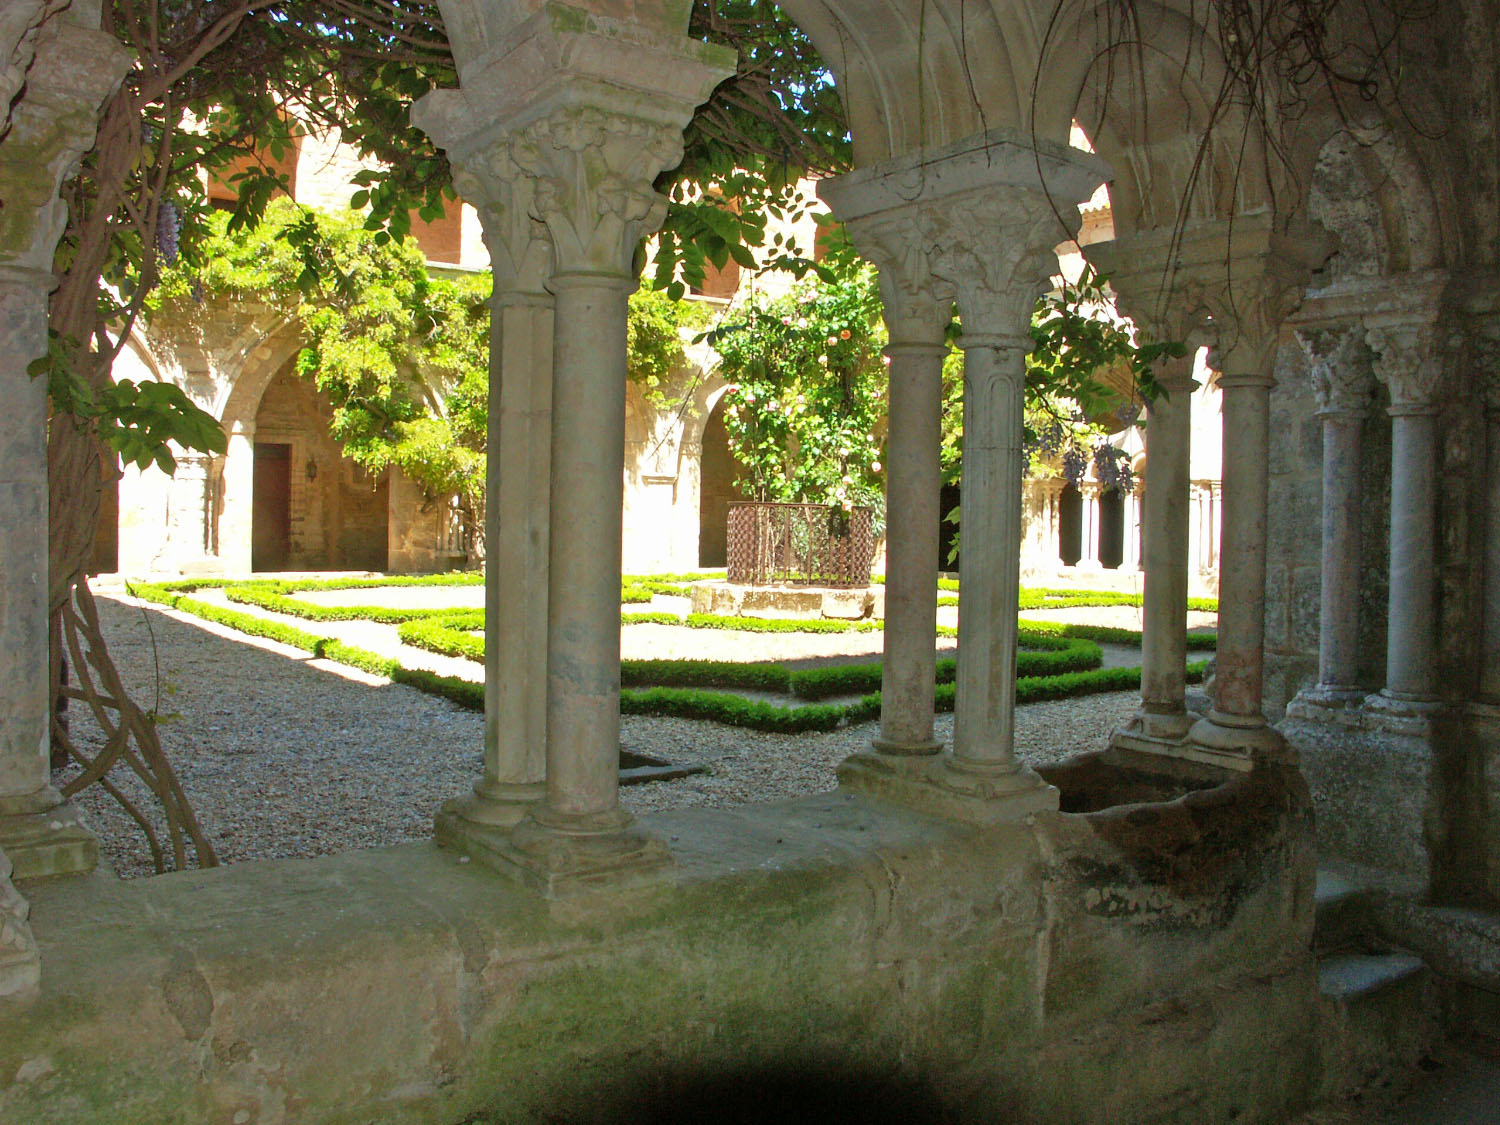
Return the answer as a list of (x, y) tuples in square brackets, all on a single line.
[(836, 603)]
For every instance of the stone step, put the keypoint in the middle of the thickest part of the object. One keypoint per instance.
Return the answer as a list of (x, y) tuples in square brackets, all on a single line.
[(1341, 911), (1377, 1016)]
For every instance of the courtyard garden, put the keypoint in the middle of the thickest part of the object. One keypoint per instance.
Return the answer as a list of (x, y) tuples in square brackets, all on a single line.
[(306, 716)]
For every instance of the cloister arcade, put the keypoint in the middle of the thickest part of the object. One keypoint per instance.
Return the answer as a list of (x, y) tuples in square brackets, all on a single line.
[(1015, 940)]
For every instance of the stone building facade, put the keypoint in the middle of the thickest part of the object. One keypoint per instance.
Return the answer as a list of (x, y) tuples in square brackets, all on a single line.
[(1126, 935)]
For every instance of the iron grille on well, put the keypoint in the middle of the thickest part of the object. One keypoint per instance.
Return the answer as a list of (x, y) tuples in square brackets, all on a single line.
[(800, 544)]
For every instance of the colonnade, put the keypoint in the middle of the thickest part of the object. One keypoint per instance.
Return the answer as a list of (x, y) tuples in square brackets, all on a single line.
[(1394, 342)]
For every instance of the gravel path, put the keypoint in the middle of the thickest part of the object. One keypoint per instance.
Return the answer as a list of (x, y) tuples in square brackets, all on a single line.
[(283, 755)]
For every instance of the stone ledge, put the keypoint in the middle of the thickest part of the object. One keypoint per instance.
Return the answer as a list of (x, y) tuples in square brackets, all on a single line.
[(831, 927)]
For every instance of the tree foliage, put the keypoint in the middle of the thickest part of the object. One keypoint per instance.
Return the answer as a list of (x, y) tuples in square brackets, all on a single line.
[(400, 352)]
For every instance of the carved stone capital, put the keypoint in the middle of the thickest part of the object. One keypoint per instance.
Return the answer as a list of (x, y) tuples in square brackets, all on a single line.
[(566, 114), (1339, 364), (1408, 359), (994, 245), (918, 305), (987, 211), (62, 70), (1229, 284), (593, 172)]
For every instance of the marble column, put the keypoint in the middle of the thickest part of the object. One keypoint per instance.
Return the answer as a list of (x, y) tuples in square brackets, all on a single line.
[(1342, 386), (235, 522), (518, 486), (1408, 361), (1489, 669), (1163, 714), (917, 309), (986, 224), (64, 69)]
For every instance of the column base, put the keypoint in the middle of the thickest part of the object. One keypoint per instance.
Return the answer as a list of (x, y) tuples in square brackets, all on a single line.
[(1400, 712), (1322, 702), (45, 836), (477, 823), (893, 749), (1234, 741), (568, 858), (932, 784)]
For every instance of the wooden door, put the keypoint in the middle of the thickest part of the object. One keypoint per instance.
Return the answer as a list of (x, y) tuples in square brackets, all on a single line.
[(271, 507)]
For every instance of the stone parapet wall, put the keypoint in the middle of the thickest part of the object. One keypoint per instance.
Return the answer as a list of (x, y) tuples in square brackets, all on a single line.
[(1085, 966)]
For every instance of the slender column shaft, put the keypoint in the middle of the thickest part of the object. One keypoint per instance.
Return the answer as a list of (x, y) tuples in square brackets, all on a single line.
[(985, 707), (913, 478), (517, 506), (583, 616), (1338, 624), (1242, 563), (24, 731), (1165, 547), (1410, 671), (1489, 672)]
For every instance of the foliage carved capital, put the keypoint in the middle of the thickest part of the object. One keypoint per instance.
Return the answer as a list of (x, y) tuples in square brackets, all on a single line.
[(917, 303), (519, 245), (1339, 365), (994, 246), (1408, 359), (593, 173), (62, 72)]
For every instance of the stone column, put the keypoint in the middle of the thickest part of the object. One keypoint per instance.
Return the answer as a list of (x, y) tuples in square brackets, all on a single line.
[(987, 222), (1163, 715), (1489, 669), (1408, 361), (65, 71), (1342, 386), (518, 486), (235, 524), (917, 309), (589, 126), (1251, 278), (1131, 554), (1092, 526)]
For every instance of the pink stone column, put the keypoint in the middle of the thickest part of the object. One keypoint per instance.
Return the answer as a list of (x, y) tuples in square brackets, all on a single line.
[(1342, 386), (985, 704), (1236, 723)]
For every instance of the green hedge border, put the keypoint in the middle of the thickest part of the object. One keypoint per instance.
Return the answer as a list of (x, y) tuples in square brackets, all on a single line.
[(678, 702)]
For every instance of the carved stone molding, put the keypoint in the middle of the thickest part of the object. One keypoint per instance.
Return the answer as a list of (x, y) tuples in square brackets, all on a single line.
[(519, 245), (986, 211), (1339, 365), (917, 303), (1408, 359)]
